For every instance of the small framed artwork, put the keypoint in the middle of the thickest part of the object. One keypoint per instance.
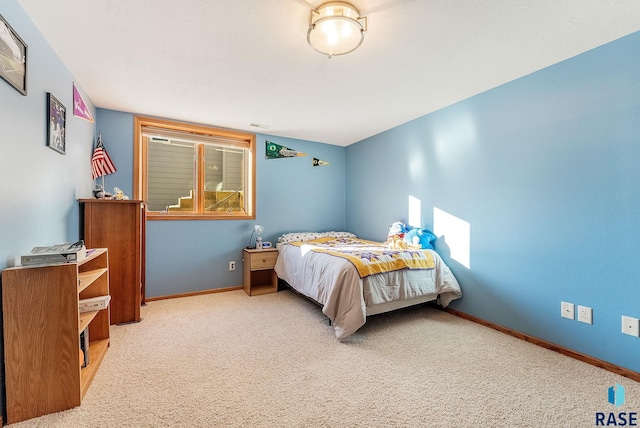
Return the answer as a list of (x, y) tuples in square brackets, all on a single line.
[(13, 57), (56, 124)]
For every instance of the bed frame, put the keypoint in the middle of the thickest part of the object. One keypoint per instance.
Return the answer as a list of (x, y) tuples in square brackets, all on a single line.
[(377, 309)]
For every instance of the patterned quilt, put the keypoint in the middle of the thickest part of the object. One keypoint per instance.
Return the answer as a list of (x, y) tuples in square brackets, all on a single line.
[(369, 257)]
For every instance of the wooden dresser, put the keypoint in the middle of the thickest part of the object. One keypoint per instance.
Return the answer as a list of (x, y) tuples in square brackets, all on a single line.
[(120, 227)]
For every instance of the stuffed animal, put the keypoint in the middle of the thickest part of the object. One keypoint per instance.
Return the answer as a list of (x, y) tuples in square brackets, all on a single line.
[(394, 242), (419, 238), (119, 194), (397, 229), (396, 237)]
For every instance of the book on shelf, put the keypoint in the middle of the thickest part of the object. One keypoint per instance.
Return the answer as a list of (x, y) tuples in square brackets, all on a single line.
[(84, 346), (61, 253)]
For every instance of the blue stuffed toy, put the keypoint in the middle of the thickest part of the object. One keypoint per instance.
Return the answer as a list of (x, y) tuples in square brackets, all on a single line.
[(417, 236)]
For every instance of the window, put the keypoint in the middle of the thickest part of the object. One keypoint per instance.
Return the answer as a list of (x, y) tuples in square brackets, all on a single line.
[(191, 172)]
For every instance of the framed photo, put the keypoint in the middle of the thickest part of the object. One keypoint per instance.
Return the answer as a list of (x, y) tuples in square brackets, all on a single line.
[(13, 57), (56, 124)]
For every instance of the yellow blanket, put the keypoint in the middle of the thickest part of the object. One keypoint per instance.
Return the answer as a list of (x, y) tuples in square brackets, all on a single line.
[(370, 257)]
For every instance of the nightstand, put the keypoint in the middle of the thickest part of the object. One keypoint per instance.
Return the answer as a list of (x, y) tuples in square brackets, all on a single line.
[(259, 276)]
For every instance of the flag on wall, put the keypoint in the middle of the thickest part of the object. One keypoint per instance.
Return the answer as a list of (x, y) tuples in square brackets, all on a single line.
[(318, 162), (276, 151), (101, 163), (79, 107)]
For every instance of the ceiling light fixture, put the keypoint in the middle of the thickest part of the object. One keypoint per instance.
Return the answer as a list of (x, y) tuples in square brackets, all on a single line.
[(336, 28)]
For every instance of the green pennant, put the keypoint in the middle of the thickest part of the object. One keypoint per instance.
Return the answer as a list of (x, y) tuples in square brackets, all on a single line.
[(276, 151)]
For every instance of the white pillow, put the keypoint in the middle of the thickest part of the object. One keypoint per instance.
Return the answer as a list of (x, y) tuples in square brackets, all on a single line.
[(308, 236), (340, 234), (299, 236)]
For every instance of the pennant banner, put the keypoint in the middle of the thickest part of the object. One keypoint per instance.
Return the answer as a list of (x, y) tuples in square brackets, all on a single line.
[(276, 151), (79, 107), (318, 162)]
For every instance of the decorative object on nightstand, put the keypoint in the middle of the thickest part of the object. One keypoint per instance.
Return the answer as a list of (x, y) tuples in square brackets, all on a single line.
[(257, 229), (259, 276)]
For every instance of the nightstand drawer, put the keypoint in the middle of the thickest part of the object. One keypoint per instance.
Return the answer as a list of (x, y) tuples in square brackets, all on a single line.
[(263, 260)]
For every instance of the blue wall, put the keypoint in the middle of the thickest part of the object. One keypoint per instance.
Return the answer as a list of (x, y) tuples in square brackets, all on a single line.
[(545, 171), (292, 195), (39, 186)]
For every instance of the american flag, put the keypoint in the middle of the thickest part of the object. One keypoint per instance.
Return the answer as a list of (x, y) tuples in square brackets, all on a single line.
[(101, 163)]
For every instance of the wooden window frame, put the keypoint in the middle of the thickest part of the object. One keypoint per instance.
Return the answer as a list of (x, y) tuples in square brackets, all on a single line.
[(248, 143)]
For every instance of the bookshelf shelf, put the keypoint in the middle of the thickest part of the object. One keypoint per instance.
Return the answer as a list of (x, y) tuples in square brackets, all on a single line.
[(85, 320), (42, 326), (97, 351), (85, 279)]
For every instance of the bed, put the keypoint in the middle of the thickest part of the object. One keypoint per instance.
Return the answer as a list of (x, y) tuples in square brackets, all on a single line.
[(324, 268)]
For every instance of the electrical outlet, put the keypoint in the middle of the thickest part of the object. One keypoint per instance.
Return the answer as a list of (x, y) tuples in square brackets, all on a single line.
[(585, 314), (567, 310), (631, 326), (232, 265)]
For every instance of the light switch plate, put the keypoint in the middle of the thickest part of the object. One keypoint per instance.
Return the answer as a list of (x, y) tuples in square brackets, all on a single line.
[(631, 326), (568, 310)]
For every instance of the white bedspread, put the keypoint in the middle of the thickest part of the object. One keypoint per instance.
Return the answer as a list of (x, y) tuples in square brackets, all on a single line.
[(345, 297)]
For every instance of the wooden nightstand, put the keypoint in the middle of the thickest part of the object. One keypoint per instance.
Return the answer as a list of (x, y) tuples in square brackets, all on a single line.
[(259, 276)]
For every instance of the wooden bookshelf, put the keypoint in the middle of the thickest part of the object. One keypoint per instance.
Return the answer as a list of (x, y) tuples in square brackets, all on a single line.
[(42, 326)]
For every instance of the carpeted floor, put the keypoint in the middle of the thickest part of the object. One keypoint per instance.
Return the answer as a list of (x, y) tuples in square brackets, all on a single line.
[(231, 360)]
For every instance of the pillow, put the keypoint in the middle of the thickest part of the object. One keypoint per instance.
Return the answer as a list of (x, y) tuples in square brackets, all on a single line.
[(333, 234), (299, 236), (308, 236)]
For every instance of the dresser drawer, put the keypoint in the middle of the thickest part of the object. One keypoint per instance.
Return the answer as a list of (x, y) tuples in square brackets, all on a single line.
[(263, 260)]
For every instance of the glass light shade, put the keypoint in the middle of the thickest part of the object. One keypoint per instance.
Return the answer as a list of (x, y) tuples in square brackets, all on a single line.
[(336, 28)]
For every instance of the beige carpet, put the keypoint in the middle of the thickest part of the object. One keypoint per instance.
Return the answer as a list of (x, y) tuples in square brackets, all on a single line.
[(272, 361)]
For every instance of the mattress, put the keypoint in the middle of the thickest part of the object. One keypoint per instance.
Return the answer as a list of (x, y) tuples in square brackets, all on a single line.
[(347, 299)]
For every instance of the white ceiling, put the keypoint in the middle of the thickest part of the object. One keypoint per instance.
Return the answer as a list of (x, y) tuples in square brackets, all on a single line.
[(230, 63)]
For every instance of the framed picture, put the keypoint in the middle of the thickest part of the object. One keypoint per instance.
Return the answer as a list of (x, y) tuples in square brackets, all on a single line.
[(56, 121), (13, 58)]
